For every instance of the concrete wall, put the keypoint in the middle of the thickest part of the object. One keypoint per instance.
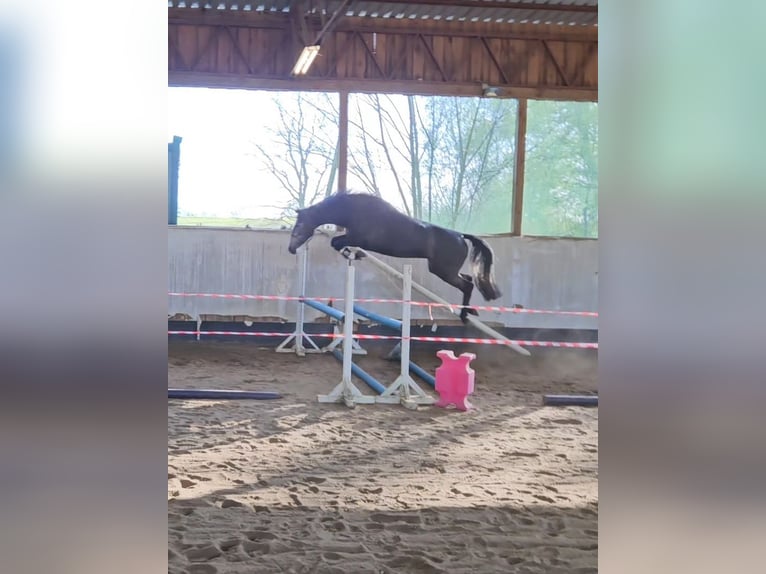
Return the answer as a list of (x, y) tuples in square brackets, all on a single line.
[(538, 273)]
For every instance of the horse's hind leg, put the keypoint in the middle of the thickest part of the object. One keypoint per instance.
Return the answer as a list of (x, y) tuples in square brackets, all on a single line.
[(452, 276), (467, 297)]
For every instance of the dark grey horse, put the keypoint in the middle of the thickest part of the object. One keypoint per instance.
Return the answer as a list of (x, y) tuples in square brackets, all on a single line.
[(375, 225)]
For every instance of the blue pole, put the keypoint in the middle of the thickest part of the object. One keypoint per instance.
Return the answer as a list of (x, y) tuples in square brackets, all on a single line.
[(571, 400), (428, 378), (396, 326), (359, 372), (387, 321), (222, 394), (326, 309)]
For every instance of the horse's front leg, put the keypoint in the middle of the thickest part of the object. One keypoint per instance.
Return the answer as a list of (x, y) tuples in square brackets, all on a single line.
[(342, 244), (339, 242)]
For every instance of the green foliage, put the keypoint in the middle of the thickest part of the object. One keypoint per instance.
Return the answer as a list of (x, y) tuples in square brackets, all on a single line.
[(561, 171), (467, 156)]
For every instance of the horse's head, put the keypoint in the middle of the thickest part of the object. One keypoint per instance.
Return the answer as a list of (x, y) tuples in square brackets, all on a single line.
[(302, 231)]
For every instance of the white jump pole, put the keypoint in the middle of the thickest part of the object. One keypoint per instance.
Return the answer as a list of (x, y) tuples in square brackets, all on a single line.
[(346, 391), (298, 335), (404, 389), (434, 297)]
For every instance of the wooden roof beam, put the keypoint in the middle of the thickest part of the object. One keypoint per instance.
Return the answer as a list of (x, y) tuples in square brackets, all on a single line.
[(332, 22), (186, 17), (530, 6)]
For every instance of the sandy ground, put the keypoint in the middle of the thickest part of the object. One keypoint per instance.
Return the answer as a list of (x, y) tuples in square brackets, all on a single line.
[(296, 486)]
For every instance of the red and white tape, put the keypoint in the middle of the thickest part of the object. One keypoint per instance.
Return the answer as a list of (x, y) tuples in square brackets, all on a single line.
[(377, 300), (235, 296), (558, 344)]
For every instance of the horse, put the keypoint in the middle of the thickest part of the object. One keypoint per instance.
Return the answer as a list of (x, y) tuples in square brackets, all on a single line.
[(375, 225)]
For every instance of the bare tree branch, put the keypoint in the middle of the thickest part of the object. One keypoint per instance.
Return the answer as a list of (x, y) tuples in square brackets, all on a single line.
[(300, 155)]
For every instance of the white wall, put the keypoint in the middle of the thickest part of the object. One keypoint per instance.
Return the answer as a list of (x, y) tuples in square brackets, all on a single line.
[(538, 273)]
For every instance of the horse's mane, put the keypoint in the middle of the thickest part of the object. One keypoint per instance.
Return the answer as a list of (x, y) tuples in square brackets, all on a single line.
[(357, 195)]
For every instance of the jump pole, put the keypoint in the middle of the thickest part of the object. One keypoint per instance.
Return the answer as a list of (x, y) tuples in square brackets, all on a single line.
[(340, 317), (345, 391), (434, 297), (396, 326), (571, 400), (361, 373), (217, 394), (404, 389)]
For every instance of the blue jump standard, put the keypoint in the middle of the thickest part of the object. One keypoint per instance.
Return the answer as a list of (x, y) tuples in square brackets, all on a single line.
[(216, 394), (571, 400)]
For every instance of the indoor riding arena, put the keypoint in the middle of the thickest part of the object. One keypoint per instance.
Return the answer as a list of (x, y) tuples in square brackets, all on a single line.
[(328, 412)]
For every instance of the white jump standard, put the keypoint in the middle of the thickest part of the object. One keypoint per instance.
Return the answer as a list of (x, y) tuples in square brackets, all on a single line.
[(404, 389), (298, 335), (345, 391)]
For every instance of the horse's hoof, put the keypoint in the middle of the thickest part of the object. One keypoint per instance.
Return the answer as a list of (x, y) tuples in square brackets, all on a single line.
[(465, 311), (346, 252), (352, 254)]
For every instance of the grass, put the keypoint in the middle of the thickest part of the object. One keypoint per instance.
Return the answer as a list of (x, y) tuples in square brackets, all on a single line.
[(238, 222)]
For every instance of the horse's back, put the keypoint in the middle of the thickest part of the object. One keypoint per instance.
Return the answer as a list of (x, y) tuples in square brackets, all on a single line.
[(376, 225)]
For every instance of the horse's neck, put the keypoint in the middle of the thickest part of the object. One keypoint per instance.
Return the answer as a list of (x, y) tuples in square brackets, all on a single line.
[(330, 213)]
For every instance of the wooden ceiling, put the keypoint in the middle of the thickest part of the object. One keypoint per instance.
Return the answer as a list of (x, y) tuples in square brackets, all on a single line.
[(525, 49)]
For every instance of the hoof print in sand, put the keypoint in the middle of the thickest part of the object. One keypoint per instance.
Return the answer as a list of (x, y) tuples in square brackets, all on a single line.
[(204, 553)]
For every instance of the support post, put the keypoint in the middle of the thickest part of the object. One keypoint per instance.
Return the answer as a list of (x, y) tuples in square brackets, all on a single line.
[(346, 391), (343, 142), (517, 199), (404, 389), (174, 155), (298, 335)]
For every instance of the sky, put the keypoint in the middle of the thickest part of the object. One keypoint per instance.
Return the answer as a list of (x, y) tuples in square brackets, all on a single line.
[(220, 173)]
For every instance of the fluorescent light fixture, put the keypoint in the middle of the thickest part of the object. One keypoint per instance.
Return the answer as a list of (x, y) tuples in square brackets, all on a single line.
[(307, 57), (490, 91)]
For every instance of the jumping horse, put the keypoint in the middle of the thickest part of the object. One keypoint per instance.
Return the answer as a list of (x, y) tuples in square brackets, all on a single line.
[(375, 225)]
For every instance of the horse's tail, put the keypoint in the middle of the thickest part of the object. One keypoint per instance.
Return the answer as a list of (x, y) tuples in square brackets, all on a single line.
[(481, 264)]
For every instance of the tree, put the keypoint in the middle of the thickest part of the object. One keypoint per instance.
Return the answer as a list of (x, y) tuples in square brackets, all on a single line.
[(302, 154), (466, 153), (442, 155), (386, 143), (561, 178)]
